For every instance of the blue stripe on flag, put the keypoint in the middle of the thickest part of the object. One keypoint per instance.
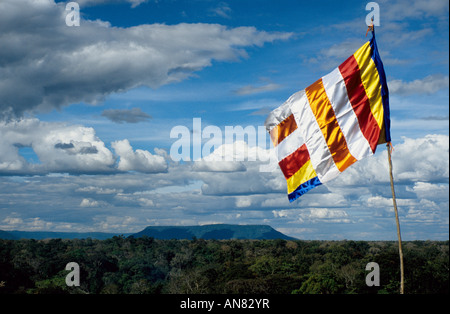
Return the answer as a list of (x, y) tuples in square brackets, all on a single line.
[(303, 188), (384, 88)]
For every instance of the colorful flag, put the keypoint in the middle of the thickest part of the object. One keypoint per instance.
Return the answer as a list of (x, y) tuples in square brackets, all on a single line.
[(341, 118)]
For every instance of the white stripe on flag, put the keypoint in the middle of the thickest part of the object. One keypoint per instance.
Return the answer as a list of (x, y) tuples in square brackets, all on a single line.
[(278, 115), (289, 145), (348, 121), (319, 153)]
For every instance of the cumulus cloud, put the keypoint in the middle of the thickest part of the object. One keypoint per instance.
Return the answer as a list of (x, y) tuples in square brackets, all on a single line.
[(139, 160), (243, 201), (231, 162), (428, 190), (46, 64), (427, 85), (414, 160), (230, 158), (422, 159), (314, 215), (89, 203), (59, 147), (66, 148)]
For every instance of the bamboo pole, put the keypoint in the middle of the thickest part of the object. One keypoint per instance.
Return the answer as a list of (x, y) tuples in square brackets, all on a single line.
[(400, 251)]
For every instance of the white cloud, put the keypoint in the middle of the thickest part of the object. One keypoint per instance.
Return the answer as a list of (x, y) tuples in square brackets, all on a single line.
[(427, 85), (139, 160), (231, 158), (12, 221), (423, 159), (98, 190), (39, 224), (218, 166), (429, 190), (313, 215), (68, 148), (59, 147), (46, 64), (115, 223), (276, 201), (222, 10), (324, 213), (243, 201), (404, 9), (251, 89), (89, 203)]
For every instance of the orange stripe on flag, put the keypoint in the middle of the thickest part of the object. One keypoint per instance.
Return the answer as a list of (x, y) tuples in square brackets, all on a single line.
[(282, 130), (326, 119)]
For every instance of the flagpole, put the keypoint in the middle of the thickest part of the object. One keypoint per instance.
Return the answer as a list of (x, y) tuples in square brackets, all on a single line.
[(400, 251)]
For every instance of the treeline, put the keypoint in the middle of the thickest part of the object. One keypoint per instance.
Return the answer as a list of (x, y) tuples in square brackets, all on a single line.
[(147, 266)]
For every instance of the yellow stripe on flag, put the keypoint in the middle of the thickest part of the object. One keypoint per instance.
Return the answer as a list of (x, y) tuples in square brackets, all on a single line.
[(305, 173), (371, 81)]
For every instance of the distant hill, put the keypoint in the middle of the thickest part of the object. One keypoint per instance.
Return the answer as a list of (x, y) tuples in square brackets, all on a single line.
[(216, 231), (40, 235), (207, 232), (7, 235)]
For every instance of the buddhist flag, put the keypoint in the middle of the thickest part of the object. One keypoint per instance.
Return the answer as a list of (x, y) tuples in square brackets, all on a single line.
[(341, 118)]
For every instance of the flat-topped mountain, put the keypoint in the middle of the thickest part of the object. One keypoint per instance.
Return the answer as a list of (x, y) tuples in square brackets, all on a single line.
[(215, 231)]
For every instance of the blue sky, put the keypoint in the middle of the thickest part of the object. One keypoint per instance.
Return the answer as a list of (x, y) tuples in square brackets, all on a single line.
[(86, 114)]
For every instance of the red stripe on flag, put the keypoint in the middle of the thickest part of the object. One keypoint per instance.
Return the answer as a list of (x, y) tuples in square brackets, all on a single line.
[(360, 102), (292, 163)]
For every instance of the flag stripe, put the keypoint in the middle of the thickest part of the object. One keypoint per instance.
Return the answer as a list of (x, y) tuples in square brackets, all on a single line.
[(335, 88), (282, 130), (371, 81), (324, 113), (385, 135), (359, 100), (304, 174), (303, 188), (279, 114), (315, 142), (289, 145), (292, 163)]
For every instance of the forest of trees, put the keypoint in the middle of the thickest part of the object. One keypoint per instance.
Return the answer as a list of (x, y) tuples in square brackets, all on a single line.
[(148, 266)]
